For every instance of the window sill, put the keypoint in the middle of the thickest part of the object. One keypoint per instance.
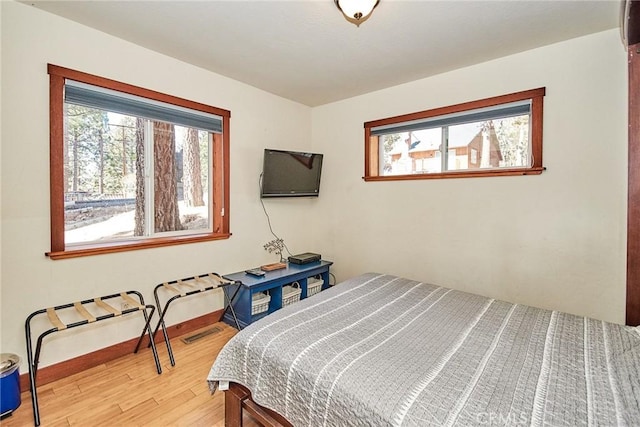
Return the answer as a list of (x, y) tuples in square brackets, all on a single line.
[(459, 174), (120, 246)]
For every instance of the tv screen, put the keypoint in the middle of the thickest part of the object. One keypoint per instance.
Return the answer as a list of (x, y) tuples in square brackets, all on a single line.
[(290, 174)]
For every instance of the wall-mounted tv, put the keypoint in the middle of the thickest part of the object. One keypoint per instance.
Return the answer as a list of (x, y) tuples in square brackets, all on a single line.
[(290, 174)]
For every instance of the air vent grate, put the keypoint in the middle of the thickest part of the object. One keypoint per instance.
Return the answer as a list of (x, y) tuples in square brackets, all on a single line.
[(193, 338)]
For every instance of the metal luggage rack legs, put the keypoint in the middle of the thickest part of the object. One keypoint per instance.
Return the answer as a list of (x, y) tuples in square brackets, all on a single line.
[(58, 325), (191, 286)]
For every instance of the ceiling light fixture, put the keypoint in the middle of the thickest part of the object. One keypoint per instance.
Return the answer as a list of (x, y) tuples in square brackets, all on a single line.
[(356, 11)]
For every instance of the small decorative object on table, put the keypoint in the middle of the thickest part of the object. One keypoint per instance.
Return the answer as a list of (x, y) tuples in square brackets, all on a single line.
[(274, 266), (276, 246)]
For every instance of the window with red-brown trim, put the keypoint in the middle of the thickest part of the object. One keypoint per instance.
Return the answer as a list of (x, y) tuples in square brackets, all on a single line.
[(132, 168), (490, 137)]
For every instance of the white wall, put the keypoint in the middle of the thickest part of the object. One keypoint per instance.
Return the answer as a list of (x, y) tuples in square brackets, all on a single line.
[(30, 281), (557, 240)]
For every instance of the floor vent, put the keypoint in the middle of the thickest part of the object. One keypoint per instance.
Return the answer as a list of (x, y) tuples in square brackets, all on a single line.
[(193, 338)]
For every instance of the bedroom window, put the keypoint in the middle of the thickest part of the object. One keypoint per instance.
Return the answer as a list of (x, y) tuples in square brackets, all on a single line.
[(133, 168), (490, 137)]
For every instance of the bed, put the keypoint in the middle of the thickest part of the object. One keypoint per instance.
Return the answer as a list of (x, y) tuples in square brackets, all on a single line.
[(380, 350)]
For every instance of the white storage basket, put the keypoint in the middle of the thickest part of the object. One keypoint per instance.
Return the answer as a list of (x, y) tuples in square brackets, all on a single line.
[(314, 285), (291, 293), (259, 302)]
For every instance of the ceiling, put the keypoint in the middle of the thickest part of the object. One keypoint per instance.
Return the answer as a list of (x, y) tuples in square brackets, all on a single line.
[(304, 50)]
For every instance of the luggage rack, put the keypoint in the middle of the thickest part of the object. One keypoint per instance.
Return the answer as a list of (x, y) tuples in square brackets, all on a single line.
[(191, 286), (88, 317)]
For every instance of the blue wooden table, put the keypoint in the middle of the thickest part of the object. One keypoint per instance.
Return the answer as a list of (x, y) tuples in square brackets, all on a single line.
[(272, 283)]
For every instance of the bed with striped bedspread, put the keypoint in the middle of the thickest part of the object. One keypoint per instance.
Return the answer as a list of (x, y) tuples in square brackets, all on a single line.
[(379, 350)]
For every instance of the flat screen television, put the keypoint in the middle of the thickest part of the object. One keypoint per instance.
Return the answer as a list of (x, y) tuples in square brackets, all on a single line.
[(290, 174)]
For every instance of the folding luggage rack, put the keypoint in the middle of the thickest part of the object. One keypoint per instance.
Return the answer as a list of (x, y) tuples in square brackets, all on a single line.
[(191, 286), (58, 325)]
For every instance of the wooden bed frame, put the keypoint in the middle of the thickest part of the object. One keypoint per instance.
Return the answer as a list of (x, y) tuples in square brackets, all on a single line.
[(238, 398)]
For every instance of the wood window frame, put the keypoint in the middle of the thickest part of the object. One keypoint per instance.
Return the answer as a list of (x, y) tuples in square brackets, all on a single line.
[(220, 167), (371, 142)]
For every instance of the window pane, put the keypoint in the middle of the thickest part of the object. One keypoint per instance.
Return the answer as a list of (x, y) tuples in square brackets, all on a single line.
[(181, 178), (412, 152), (502, 143), (104, 176), (515, 144), (99, 174)]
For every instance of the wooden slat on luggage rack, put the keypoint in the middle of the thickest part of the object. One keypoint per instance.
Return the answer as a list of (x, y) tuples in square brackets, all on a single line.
[(83, 312), (55, 320), (107, 307)]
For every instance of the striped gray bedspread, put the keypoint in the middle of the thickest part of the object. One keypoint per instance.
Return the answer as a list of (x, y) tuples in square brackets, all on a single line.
[(379, 350)]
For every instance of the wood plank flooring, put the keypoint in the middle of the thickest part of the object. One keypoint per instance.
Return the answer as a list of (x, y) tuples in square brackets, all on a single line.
[(129, 392)]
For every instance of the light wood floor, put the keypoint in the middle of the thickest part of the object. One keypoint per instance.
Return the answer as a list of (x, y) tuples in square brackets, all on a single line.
[(129, 392)]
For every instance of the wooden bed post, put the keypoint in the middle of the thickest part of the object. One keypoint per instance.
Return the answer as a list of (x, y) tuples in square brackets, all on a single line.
[(233, 399), (238, 398)]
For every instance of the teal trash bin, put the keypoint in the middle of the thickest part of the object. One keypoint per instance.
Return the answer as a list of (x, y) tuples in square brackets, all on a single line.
[(9, 384)]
